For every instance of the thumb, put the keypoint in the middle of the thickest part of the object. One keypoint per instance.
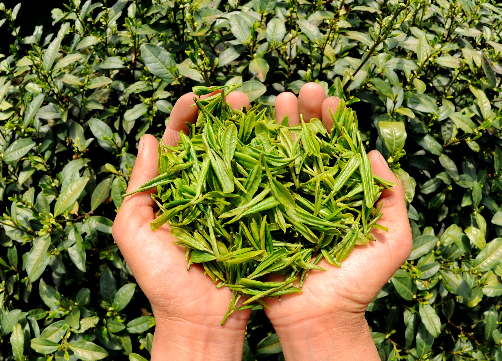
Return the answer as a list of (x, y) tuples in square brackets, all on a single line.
[(145, 169), (394, 212), (391, 198)]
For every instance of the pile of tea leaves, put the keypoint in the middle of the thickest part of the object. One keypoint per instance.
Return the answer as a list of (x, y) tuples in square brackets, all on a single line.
[(249, 196)]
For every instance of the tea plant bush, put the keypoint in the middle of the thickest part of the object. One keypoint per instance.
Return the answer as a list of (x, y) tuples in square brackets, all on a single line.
[(424, 77)]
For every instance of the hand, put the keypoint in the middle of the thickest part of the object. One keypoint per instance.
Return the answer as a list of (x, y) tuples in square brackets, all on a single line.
[(326, 321), (188, 307)]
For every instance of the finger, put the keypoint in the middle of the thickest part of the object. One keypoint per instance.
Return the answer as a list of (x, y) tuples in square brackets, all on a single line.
[(183, 112), (394, 212), (380, 168), (238, 100), (311, 98), (145, 169), (286, 104), (329, 103)]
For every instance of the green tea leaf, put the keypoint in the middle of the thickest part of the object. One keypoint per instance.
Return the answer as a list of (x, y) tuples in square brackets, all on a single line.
[(269, 345), (430, 319), (18, 149), (38, 258), (43, 346), (275, 30), (69, 195), (259, 68), (158, 61), (123, 296), (87, 350), (17, 342), (393, 134), (490, 256), (101, 193), (456, 283), (311, 31), (240, 28)]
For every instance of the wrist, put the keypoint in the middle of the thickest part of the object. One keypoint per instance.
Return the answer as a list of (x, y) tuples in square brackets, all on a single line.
[(336, 336), (178, 339)]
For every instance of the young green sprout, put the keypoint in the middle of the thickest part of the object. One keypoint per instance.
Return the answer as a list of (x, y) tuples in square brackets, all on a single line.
[(248, 196)]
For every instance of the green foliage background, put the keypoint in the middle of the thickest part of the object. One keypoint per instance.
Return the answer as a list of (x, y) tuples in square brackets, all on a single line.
[(76, 96)]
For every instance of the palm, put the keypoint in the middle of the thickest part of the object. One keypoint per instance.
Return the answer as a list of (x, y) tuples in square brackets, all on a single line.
[(161, 271), (346, 289)]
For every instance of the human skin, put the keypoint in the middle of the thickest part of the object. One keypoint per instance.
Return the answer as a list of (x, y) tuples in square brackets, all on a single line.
[(325, 322)]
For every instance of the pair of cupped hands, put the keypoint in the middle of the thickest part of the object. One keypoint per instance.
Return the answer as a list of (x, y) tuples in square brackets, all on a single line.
[(324, 322)]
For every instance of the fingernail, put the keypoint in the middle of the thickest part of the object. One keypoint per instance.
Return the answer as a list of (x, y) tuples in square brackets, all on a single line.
[(141, 144)]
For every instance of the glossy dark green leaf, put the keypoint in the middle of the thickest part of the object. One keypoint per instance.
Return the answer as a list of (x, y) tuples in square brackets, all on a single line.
[(87, 350), (424, 340), (456, 283), (101, 193), (430, 319), (18, 149), (73, 318), (275, 30), (240, 28), (158, 61), (17, 341), (488, 70), (77, 251), (107, 285), (38, 258), (430, 186), (449, 165), (123, 296), (9, 320), (490, 323), (269, 345), (383, 87), (476, 236), (32, 109), (141, 324), (69, 195), (404, 285), (259, 68), (430, 144), (44, 346), (490, 256), (422, 245), (311, 31)]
